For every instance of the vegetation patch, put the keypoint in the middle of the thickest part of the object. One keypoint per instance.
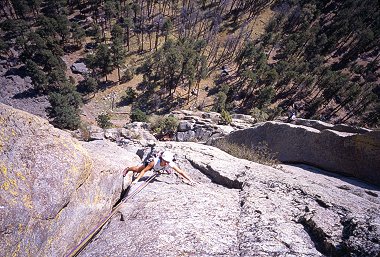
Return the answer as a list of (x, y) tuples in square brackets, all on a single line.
[(259, 153), (103, 121), (163, 125)]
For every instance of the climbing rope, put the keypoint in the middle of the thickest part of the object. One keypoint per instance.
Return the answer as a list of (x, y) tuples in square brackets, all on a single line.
[(77, 249)]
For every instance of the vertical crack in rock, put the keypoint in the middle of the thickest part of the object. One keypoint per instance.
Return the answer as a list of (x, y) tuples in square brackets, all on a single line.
[(217, 178), (318, 236)]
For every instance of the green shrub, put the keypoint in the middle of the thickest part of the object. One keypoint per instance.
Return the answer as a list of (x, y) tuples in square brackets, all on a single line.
[(129, 97), (225, 88), (103, 121), (127, 75), (84, 132), (138, 115), (89, 85), (259, 153), (220, 102), (163, 125), (259, 115), (265, 96), (274, 112), (226, 117)]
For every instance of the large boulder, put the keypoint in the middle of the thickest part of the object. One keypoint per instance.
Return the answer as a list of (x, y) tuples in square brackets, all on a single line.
[(348, 153), (53, 187), (79, 68)]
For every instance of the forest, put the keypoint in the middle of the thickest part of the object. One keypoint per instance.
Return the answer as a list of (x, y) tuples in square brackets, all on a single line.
[(319, 58)]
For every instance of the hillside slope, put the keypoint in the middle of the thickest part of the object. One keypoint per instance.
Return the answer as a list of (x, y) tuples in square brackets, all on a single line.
[(319, 59)]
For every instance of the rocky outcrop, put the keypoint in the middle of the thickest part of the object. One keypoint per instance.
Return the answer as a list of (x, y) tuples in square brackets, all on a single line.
[(193, 127), (352, 154), (133, 132), (18, 92), (240, 208), (201, 126), (53, 188)]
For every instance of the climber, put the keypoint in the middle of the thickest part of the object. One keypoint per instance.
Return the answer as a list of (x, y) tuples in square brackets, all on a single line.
[(292, 112), (165, 160)]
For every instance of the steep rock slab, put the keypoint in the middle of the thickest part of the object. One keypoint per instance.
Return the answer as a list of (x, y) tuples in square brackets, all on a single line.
[(296, 211), (52, 189), (171, 219), (41, 167), (348, 153), (96, 196), (303, 211)]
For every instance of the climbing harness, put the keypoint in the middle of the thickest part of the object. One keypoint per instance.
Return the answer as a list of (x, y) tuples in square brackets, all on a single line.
[(77, 249)]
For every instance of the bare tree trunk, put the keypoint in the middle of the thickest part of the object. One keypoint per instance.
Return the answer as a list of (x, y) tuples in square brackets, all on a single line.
[(355, 111), (317, 94), (189, 92), (142, 21), (201, 27), (213, 52), (11, 9), (150, 40), (157, 34), (128, 37)]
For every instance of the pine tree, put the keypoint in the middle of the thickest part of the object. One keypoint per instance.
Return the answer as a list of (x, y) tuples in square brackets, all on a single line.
[(118, 55), (103, 60), (64, 110), (78, 35), (40, 81)]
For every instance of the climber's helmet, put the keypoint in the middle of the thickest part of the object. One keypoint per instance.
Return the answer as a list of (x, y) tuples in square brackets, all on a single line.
[(167, 156)]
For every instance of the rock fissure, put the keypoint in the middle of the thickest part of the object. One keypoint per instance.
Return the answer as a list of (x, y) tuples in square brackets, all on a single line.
[(317, 235), (60, 211), (217, 178)]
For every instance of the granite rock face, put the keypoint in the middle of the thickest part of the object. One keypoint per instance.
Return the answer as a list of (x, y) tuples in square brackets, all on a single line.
[(352, 154), (52, 186), (240, 208)]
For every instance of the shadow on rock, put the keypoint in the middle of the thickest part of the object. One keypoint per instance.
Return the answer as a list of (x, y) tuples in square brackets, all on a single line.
[(29, 93)]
